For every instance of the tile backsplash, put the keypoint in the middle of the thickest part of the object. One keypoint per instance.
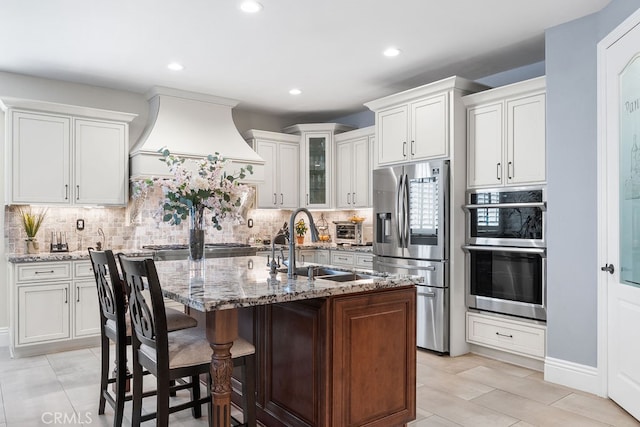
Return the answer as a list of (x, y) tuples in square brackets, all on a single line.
[(141, 223)]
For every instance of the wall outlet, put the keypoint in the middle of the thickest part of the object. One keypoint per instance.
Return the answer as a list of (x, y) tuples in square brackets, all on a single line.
[(80, 224)]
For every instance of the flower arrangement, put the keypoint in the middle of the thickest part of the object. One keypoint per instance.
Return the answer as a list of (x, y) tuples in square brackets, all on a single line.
[(31, 221), (198, 184), (301, 228)]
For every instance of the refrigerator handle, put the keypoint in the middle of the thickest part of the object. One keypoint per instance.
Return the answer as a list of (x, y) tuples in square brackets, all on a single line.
[(399, 213), (406, 211)]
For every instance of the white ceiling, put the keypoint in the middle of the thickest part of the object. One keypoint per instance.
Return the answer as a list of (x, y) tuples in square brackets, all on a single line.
[(330, 49)]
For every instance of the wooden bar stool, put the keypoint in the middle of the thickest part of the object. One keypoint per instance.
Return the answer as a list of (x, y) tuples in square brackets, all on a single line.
[(180, 354), (115, 327)]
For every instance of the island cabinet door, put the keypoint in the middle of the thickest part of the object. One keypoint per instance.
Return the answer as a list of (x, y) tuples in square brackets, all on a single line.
[(293, 374), (374, 359)]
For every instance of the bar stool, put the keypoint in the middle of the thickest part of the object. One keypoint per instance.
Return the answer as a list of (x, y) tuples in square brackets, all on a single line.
[(180, 354), (115, 327)]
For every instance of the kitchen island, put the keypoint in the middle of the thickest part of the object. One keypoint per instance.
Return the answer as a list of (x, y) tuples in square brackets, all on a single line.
[(329, 352)]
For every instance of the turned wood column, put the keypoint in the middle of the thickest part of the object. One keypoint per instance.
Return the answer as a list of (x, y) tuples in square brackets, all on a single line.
[(222, 330)]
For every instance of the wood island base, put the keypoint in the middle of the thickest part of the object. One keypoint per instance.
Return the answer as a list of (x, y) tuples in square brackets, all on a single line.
[(347, 360)]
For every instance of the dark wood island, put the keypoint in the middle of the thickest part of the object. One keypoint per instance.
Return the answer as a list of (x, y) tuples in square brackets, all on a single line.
[(328, 353)]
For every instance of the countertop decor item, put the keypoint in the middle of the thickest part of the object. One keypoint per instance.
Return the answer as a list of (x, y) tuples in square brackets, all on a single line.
[(301, 229), (31, 222), (197, 185)]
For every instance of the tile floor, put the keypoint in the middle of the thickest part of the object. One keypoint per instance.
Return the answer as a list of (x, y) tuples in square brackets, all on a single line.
[(465, 391)]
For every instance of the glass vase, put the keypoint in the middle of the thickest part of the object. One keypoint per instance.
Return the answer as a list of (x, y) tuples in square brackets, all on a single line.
[(196, 233)]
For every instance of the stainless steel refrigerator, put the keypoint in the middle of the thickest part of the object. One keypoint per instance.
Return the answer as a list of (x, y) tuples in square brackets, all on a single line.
[(410, 210)]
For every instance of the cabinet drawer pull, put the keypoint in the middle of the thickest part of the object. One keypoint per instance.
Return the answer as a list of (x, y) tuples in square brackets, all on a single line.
[(44, 272), (367, 260), (307, 199), (66, 296), (275, 199), (498, 171), (413, 148), (348, 198), (504, 335), (510, 170), (66, 191), (281, 199), (342, 258), (77, 192), (77, 293), (404, 149), (353, 196)]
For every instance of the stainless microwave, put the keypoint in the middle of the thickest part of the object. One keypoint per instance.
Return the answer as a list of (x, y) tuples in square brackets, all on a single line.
[(514, 217)]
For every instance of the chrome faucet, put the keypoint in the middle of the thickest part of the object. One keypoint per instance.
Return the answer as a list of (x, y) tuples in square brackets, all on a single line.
[(291, 266), (273, 264)]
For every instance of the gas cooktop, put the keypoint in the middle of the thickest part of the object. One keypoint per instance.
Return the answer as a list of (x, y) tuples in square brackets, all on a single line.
[(211, 250)]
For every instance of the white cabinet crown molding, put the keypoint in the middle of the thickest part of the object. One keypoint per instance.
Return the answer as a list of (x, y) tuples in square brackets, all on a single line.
[(356, 133), (57, 108), (334, 128), (270, 136), (534, 85), (453, 82)]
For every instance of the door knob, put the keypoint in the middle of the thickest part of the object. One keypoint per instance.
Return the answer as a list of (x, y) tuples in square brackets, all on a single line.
[(609, 268)]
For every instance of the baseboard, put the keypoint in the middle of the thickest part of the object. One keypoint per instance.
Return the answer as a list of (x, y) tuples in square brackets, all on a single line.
[(4, 337), (574, 375)]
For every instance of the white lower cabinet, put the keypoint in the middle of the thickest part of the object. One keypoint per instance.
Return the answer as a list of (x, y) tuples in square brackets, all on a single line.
[(43, 313), (343, 258), (513, 336), (323, 256), (364, 261), (55, 304)]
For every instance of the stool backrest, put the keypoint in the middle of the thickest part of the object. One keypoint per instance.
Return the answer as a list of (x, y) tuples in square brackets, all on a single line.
[(111, 292), (149, 321)]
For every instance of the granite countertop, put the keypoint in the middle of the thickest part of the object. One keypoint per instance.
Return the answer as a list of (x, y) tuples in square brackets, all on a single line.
[(328, 246), (224, 283), (69, 256)]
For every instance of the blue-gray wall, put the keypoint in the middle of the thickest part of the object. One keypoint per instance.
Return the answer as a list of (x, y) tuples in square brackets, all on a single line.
[(572, 271)]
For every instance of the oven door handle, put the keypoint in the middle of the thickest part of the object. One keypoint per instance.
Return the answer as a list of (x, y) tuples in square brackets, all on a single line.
[(407, 266), (541, 205), (541, 251)]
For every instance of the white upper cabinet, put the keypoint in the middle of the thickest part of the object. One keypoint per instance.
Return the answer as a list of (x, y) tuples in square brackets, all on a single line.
[(100, 167), (63, 159), (281, 153), (415, 124), (353, 168), (316, 162), (506, 135), (40, 158)]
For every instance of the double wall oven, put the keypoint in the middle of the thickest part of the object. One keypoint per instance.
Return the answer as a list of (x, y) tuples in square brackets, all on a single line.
[(506, 251)]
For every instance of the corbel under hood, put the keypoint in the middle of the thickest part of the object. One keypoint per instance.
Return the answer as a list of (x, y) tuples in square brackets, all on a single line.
[(191, 125)]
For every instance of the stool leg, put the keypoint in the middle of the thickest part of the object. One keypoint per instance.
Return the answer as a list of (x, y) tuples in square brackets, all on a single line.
[(121, 382), (249, 390), (137, 392), (104, 373), (196, 411)]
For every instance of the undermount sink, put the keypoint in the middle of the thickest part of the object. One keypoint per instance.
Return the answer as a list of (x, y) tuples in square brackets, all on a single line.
[(346, 277), (329, 274)]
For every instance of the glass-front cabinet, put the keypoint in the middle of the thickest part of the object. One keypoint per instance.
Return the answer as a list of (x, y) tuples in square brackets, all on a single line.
[(318, 179), (316, 162)]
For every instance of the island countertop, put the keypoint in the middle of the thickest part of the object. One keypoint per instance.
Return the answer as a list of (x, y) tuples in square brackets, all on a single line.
[(224, 283)]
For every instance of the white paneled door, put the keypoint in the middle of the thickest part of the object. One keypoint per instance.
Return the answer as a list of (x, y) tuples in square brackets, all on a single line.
[(619, 214)]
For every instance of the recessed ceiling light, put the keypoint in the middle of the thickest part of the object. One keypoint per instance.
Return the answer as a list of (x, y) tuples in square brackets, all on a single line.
[(250, 6), (175, 66), (391, 52), (295, 91)]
